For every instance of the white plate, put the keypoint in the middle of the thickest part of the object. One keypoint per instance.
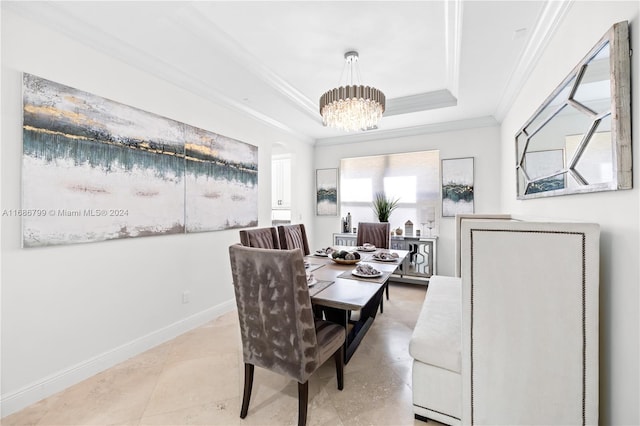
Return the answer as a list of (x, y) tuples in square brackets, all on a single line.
[(366, 248), (320, 254), (391, 259), (357, 274)]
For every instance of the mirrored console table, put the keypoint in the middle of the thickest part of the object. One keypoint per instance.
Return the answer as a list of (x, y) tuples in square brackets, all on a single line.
[(417, 267)]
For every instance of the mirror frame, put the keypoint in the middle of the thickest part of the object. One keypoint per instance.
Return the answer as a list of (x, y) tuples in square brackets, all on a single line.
[(620, 112)]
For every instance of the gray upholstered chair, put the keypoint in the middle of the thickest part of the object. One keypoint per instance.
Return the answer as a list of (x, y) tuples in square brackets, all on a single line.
[(378, 234), (277, 325), (374, 233), (293, 236), (260, 237)]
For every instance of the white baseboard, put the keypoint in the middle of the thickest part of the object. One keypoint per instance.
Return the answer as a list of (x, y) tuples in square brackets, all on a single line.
[(47, 386)]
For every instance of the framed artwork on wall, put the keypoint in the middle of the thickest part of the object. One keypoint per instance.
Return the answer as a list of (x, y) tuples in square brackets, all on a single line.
[(457, 186), (94, 169), (327, 192)]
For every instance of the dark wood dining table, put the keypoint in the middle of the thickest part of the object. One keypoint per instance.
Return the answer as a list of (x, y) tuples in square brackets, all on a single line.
[(337, 293)]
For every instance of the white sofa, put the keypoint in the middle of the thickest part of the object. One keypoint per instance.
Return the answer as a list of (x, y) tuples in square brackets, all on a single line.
[(514, 340), (435, 347)]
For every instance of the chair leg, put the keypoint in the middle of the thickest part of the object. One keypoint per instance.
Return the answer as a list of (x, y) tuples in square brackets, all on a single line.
[(339, 358), (387, 290), (248, 385), (381, 305), (303, 398)]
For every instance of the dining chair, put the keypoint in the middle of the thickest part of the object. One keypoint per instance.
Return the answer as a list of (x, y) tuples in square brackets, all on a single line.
[(277, 326), (293, 236), (374, 233), (260, 237), (378, 234)]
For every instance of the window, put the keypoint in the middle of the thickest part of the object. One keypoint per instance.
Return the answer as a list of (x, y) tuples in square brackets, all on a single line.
[(411, 177), (356, 190), (401, 187)]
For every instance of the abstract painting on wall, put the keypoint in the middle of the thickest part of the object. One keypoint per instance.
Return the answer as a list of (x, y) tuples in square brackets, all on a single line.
[(327, 192), (221, 182), (457, 186), (94, 170)]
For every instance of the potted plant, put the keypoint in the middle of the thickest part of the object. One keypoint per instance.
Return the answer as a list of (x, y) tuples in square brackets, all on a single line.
[(383, 206)]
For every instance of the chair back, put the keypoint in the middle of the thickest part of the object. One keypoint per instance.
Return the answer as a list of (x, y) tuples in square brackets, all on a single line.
[(260, 237), (293, 236), (374, 233), (276, 319)]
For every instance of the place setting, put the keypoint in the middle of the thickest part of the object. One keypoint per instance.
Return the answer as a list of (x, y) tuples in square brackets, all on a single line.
[(385, 256), (367, 247), (366, 272), (315, 285), (324, 252)]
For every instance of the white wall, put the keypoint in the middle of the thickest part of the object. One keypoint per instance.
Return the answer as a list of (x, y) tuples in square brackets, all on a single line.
[(617, 212), (480, 143), (71, 311)]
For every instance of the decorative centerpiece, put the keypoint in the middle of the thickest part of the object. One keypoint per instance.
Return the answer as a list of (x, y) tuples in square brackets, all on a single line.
[(345, 257)]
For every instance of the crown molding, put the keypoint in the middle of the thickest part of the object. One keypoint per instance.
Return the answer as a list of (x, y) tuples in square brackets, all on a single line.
[(546, 26), (204, 29), (420, 102), (447, 126)]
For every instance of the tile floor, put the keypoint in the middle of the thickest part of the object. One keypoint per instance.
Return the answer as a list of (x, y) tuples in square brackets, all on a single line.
[(196, 379)]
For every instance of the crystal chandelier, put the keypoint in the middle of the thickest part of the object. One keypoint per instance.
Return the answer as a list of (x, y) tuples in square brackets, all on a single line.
[(353, 106)]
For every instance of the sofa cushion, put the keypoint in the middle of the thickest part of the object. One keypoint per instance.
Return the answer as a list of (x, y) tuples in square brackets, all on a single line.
[(436, 337)]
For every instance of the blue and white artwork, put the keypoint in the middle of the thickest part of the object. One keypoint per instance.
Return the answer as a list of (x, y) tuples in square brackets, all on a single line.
[(457, 186), (221, 182), (327, 192), (94, 170)]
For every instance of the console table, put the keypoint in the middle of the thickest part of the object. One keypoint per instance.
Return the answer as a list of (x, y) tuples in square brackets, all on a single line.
[(419, 264)]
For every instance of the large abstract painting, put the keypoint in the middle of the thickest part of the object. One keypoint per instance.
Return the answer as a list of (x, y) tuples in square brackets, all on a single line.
[(94, 169), (457, 186)]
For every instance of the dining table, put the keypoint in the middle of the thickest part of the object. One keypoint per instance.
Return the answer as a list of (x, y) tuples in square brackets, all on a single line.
[(343, 296)]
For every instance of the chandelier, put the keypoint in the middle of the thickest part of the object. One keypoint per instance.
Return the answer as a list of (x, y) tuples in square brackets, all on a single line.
[(352, 106)]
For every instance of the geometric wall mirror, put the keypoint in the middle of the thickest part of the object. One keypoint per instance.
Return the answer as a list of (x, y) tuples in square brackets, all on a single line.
[(579, 139)]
